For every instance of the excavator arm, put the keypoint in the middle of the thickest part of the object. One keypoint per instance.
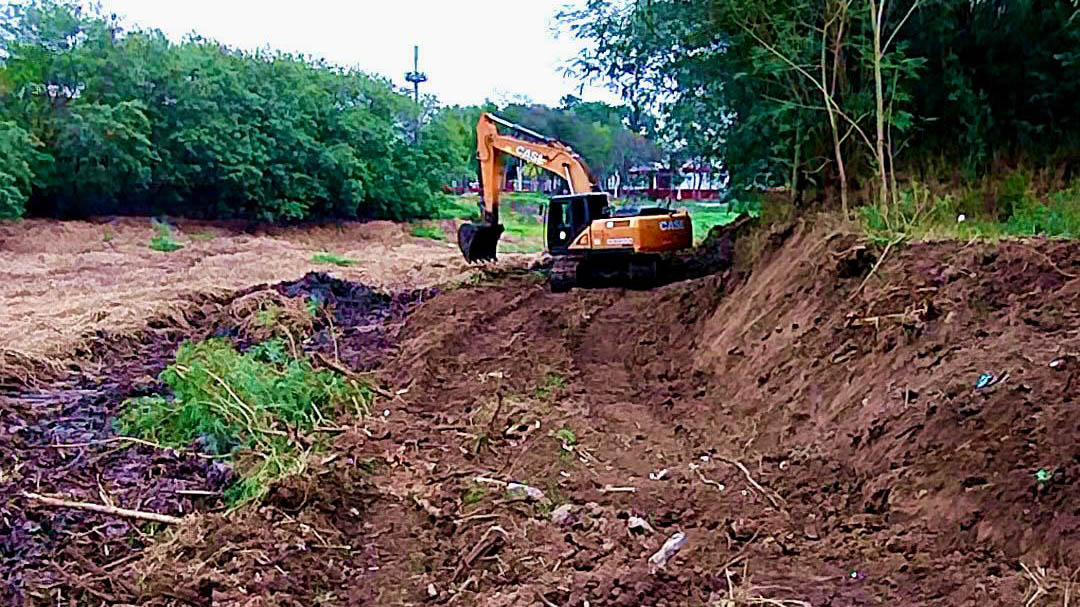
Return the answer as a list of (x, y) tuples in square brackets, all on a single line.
[(478, 241)]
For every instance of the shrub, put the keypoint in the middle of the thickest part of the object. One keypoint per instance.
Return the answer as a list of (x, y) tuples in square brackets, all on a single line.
[(226, 402)]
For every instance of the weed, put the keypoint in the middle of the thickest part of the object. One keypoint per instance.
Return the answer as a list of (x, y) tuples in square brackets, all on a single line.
[(268, 316), (566, 436), (202, 236), (163, 238), (313, 305), (108, 236), (552, 383), (325, 257), (428, 231), (229, 403), (474, 494)]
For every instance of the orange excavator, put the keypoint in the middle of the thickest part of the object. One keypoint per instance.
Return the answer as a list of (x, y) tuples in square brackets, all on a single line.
[(585, 235)]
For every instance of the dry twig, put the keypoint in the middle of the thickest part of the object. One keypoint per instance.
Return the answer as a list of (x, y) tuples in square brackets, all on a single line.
[(769, 496), (113, 510), (877, 265)]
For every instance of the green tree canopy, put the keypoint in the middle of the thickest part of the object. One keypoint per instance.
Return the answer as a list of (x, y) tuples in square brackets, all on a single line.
[(130, 122)]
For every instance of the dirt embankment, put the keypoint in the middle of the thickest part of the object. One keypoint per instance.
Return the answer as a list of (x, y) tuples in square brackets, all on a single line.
[(822, 427)]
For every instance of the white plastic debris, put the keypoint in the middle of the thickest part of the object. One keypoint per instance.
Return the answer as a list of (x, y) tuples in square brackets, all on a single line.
[(518, 489), (636, 523), (670, 548), (658, 475), (431, 591), (386, 413), (563, 515), (961, 218)]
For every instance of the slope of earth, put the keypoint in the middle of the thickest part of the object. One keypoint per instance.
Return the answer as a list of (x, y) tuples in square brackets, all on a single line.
[(64, 284), (824, 429)]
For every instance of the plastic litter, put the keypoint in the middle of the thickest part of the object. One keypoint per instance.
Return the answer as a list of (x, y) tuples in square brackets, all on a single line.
[(670, 548), (520, 490), (659, 475), (985, 380), (563, 515), (636, 523)]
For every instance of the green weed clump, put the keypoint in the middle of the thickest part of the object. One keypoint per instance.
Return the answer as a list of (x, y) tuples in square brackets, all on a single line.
[(428, 231), (259, 402), (330, 258), (163, 238)]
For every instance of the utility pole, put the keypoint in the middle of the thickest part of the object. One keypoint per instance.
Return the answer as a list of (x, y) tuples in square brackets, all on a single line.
[(416, 77)]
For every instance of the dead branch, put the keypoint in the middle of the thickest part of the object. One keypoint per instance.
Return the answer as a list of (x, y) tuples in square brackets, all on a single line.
[(342, 369), (113, 510), (876, 266), (485, 543), (750, 479), (1050, 262)]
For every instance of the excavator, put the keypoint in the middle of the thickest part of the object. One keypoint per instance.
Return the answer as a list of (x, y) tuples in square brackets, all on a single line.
[(585, 235)]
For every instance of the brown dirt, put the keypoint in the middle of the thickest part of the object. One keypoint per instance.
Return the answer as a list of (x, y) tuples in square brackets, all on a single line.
[(822, 442), (63, 284)]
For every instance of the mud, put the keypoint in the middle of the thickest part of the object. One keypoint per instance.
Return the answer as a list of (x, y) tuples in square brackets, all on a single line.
[(812, 422)]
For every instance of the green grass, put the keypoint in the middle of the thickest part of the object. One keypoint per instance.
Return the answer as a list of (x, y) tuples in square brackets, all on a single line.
[(163, 239), (1016, 212), (459, 207), (231, 403), (327, 258), (704, 217), (427, 231), (202, 236)]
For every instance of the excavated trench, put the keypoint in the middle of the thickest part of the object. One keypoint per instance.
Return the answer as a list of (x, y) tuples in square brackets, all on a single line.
[(822, 428)]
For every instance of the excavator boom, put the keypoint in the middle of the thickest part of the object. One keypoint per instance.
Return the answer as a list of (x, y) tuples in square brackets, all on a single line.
[(478, 241)]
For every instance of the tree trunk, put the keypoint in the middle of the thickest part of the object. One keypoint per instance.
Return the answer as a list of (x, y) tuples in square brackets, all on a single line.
[(879, 96)]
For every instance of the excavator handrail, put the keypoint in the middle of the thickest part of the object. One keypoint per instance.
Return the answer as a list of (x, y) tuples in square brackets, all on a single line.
[(521, 129)]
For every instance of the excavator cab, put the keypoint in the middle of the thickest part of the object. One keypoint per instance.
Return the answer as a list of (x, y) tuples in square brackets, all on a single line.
[(569, 216)]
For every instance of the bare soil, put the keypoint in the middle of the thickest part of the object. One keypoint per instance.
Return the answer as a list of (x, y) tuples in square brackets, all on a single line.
[(825, 426)]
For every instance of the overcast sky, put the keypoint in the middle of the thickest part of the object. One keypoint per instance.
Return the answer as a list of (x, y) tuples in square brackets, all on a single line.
[(472, 50)]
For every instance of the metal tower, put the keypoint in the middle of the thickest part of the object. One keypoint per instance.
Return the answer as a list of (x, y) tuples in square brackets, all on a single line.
[(416, 77)]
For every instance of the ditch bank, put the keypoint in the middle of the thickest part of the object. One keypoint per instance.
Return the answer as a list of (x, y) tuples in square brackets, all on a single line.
[(825, 425)]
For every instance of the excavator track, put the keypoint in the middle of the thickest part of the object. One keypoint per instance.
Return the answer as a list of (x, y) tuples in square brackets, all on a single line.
[(564, 274)]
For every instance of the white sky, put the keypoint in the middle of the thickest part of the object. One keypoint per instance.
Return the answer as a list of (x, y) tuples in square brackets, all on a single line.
[(471, 50)]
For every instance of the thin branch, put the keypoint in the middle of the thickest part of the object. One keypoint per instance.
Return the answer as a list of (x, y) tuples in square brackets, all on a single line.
[(820, 86), (113, 510), (896, 31)]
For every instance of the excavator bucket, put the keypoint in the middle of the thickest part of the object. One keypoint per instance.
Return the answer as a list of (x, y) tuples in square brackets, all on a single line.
[(478, 241)]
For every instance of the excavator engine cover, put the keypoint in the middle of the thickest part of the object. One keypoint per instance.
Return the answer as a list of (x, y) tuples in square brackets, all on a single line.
[(478, 241)]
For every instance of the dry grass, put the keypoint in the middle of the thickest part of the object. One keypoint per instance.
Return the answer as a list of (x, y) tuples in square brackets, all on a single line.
[(63, 284)]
